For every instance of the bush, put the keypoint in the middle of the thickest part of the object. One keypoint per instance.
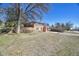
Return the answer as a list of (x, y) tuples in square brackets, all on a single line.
[(5, 30), (57, 30), (61, 27)]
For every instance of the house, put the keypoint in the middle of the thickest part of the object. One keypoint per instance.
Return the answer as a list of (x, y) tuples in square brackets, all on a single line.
[(34, 26)]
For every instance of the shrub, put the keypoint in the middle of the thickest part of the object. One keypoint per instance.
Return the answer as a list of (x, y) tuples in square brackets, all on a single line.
[(61, 27), (5, 30), (57, 30)]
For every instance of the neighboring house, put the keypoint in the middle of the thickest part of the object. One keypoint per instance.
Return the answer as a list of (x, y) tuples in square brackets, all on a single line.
[(35, 26)]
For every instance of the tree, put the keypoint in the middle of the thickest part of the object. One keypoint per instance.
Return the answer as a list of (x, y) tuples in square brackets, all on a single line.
[(60, 27), (30, 12), (57, 25), (1, 22), (63, 26), (11, 16), (68, 26)]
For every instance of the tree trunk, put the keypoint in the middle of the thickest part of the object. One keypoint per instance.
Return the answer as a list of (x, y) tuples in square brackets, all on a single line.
[(18, 17), (18, 26)]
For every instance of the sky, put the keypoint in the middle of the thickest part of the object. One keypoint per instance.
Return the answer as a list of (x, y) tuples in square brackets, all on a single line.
[(60, 12)]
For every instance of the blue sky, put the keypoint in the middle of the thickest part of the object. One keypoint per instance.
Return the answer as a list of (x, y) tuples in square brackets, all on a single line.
[(61, 12)]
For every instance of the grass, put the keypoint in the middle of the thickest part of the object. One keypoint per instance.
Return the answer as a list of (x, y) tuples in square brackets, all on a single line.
[(39, 43), (71, 46), (4, 40)]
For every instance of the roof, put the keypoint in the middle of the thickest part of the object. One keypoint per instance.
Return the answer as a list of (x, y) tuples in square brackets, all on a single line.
[(33, 22)]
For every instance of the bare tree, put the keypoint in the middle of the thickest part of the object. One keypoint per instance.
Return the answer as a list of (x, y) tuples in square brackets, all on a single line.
[(32, 11)]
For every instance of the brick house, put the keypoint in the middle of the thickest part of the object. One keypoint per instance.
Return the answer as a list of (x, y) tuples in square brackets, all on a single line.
[(34, 26)]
